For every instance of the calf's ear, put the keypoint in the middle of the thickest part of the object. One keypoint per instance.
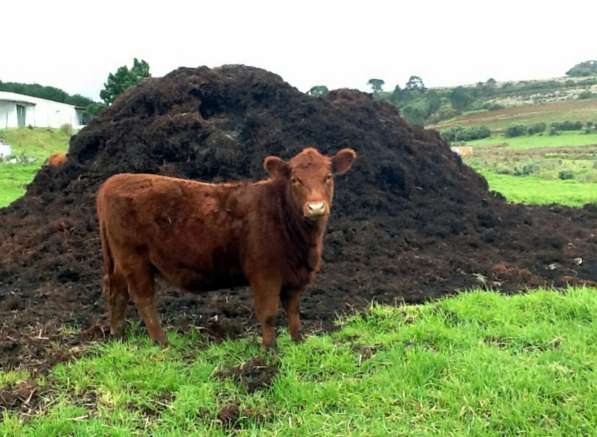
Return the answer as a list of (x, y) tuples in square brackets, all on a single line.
[(342, 161), (276, 167)]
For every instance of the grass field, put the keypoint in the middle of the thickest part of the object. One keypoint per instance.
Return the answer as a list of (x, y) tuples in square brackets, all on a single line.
[(479, 363), (13, 179), (538, 191), (564, 139), (573, 110), (32, 143)]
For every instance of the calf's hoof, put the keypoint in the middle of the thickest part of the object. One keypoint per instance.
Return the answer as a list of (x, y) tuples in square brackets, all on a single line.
[(117, 332), (162, 342), (270, 346)]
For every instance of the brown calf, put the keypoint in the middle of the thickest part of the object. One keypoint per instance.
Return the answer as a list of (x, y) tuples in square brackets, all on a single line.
[(56, 160), (199, 236)]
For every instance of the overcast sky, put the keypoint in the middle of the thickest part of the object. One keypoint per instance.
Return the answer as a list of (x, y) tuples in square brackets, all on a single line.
[(74, 45)]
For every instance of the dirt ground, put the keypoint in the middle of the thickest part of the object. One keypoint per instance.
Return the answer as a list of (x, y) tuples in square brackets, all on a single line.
[(410, 222)]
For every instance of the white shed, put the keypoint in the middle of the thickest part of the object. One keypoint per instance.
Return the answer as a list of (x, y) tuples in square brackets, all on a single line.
[(18, 110)]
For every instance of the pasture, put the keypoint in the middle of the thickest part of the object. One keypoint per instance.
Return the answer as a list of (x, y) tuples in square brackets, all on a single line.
[(563, 139), (533, 190), (30, 147), (329, 249), (477, 363)]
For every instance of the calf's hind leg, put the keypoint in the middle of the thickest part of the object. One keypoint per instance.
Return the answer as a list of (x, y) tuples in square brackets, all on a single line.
[(141, 287)]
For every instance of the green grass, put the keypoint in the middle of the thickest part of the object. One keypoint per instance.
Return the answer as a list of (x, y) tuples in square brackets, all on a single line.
[(13, 180), (478, 363), (538, 191), (564, 139), (36, 143)]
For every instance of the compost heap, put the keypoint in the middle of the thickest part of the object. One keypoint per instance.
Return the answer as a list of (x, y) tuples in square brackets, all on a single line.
[(409, 222)]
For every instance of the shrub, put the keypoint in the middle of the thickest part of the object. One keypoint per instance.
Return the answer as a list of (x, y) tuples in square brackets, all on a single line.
[(466, 134), (566, 174), (516, 130), (567, 125), (68, 130), (492, 106), (527, 169), (553, 131), (452, 134), (483, 132), (586, 95), (537, 128)]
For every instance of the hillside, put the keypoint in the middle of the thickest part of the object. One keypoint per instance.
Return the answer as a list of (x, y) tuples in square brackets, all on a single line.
[(498, 120), (430, 106)]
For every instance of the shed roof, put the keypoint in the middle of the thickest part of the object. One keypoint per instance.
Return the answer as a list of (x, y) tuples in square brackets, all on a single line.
[(18, 98), (6, 96)]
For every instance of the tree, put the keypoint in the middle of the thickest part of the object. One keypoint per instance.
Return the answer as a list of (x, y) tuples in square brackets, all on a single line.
[(318, 90), (587, 68), (52, 93), (124, 79), (78, 100), (434, 102), (35, 90), (94, 108), (376, 85), (415, 84), (460, 98), (415, 113), (491, 83), (397, 95)]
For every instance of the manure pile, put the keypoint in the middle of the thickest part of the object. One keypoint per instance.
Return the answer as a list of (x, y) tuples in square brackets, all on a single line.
[(409, 222)]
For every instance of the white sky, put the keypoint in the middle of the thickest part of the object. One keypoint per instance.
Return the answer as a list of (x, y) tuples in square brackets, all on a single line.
[(74, 45)]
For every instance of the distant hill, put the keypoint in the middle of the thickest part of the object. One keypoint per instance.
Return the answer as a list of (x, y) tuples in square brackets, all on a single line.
[(583, 110), (46, 92), (587, 68), (431, 106)]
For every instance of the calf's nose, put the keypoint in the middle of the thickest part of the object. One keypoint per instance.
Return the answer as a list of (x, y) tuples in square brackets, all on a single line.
[(315, 209)]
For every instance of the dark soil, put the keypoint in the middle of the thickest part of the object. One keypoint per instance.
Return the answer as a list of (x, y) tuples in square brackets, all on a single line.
[(23, 397), (410, 221), (233, 418), (253, 375), (229, 415)]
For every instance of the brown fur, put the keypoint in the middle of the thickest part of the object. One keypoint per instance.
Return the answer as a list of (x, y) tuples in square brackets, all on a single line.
[(199, 236), (56, 160)]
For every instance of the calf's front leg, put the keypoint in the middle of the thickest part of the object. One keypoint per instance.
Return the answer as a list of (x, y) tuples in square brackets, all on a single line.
[(266, 296), (290, 302)]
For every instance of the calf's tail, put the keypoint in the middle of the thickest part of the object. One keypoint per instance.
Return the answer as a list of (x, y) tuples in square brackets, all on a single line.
[(108, 261)]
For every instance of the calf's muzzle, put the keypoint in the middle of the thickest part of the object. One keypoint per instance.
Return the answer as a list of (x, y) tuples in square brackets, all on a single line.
[(315, 210)]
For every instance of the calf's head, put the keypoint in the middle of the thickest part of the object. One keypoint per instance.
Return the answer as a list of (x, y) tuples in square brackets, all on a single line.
[(309, 179)]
